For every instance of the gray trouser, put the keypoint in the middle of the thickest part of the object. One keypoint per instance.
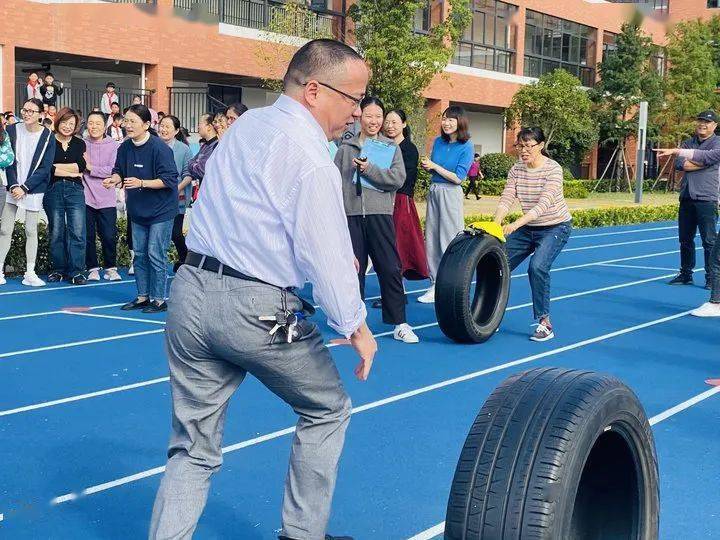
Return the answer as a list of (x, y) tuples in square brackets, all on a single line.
[(213, 339), (443, 221)]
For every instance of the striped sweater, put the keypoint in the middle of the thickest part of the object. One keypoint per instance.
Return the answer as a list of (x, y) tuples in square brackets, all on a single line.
[(540, 192)]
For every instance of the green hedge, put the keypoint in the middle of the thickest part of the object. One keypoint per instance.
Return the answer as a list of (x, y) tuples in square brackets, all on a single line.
[(605, 217), (496, 165), (572, 189), (608, 186), (15, 262)]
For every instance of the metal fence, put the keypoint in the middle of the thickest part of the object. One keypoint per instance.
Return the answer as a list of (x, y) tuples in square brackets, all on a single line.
[(190, 103), (85, 98), (264, 14)]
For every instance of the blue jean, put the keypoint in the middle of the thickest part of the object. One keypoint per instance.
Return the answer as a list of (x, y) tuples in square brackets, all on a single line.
[(151, 244), (64, 204), (544, 244)]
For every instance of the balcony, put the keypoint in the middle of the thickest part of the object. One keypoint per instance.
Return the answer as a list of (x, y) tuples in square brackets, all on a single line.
[(270, 14)]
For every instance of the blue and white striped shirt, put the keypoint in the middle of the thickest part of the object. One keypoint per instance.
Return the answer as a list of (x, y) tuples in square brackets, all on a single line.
[(271, 206)]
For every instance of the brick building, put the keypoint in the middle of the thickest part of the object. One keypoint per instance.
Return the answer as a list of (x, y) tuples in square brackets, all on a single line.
[(187, 56)]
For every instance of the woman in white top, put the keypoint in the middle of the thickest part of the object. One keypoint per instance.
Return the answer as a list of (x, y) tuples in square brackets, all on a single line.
[(27, 180)]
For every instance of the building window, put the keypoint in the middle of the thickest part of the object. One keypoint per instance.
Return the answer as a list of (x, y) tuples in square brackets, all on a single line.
[(658, 6), (609, 44), (422, 19), (552, 43), (657, 60), (713, 4), (488, 42)]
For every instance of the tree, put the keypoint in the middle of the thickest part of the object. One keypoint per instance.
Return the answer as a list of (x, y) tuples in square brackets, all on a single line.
[(627, 77), (285, 25), (559, 105), (404, 62), (691, 80)]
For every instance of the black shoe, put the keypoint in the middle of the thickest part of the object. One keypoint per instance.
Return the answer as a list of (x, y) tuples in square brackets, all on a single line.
[(155, 307), (377, 304), (136, 304), (79, 280), (681, 279), (55, 277)]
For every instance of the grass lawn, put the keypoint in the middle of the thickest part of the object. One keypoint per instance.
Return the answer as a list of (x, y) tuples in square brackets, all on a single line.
[(488, 204)]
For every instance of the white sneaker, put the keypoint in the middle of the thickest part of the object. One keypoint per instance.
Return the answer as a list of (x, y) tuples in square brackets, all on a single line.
[(94, 275), (404, 332), (428, 297), (111, 274), (708, 309), (2, 279), (32, 280)]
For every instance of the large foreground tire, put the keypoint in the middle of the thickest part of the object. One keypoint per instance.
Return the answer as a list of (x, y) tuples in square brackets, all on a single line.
[(472, 257), (557, 455)]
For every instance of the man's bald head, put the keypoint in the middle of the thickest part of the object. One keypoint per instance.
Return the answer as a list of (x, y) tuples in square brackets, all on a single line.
[(320, 59)]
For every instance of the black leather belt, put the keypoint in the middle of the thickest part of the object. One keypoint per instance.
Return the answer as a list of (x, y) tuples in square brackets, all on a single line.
[(211, 264)]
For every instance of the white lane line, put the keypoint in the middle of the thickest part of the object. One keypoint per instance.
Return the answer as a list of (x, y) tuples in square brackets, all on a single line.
[(113, 317), (56, 312), (607, 245), (680, 407), (375, 404), (632, 242), (63, 288), (555, 299), (562, 268), (141, 384), (414, 291), (595, 235), (79, 343), (663, 268), (439, 529), (80, 397)]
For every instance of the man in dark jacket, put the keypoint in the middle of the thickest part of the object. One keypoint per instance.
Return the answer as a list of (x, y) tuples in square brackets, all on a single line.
[(698, 199)]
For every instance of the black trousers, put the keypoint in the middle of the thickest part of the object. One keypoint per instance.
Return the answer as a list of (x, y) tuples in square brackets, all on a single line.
[(473, 186), (178, 238), (374, 235), (694, 215), (102, 221)]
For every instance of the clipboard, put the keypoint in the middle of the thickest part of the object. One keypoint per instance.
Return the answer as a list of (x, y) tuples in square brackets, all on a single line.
[(380, 154)]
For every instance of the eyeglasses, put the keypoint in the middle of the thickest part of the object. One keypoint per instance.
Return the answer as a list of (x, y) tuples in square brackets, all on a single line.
[(526, 146), (29, 112), (353, 99)]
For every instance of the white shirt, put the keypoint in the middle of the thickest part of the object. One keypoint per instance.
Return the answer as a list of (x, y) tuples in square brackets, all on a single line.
[(271, 206), (25, 146)]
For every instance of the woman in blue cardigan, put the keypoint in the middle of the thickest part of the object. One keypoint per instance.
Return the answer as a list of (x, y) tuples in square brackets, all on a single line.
[(27, 180), (145, 167)]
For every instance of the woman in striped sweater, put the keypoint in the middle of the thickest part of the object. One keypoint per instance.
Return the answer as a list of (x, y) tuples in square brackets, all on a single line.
[(545, 226)]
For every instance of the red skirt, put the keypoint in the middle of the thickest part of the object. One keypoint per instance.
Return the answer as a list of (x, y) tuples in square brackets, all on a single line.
[(409, 237)]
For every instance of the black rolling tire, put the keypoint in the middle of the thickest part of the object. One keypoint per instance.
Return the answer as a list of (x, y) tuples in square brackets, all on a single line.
[(557, 454), (469, 257)]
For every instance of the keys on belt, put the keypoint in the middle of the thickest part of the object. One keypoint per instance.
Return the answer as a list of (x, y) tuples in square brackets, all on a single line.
[(287, 320)]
